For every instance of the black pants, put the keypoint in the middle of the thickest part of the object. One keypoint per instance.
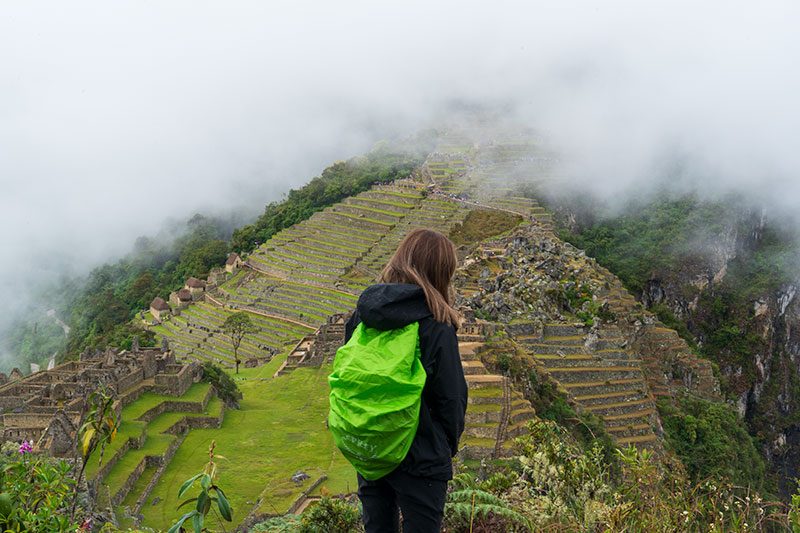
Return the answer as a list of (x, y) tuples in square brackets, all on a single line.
[(420, 499)]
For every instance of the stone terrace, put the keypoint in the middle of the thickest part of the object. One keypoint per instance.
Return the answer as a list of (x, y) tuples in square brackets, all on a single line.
[(496, 414), (306, 273), (197, 334), (602, 376), (320, 250), (153, 427), (433, 213), (670, 365)]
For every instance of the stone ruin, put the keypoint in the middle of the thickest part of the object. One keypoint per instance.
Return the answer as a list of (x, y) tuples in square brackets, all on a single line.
[(315, 349), (48, 407)]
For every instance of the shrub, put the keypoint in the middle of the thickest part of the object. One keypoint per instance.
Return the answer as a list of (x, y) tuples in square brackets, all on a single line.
[(35, 493), (278, 524), (711, 440), (226, 388), (331, 515)]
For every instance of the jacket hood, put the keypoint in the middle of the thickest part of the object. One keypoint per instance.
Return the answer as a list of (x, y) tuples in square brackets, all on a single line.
[(392, 305)]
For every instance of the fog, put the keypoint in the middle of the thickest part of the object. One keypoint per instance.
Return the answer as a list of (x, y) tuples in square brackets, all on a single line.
[(117, 116)]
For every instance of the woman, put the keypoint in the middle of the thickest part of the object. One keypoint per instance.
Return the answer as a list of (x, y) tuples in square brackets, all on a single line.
[(414, 287)]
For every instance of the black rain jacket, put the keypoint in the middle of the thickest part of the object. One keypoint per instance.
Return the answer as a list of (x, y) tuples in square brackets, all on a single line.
[(444, 398)]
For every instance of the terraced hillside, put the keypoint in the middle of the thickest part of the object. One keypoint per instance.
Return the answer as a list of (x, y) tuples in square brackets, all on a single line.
[(603, 377), (293, 283), (153, 427), (196, 334), (305, 273)]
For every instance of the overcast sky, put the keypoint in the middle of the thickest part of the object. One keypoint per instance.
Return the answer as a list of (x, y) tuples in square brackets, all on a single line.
[(116, 115)]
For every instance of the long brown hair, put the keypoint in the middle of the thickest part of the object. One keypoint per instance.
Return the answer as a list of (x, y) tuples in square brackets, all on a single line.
[(428, 259)]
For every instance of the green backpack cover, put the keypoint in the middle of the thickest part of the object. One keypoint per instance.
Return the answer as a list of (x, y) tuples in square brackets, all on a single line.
[(376, 393)]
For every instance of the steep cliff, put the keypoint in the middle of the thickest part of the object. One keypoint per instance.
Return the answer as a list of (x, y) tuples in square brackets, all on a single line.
[(727, 284)]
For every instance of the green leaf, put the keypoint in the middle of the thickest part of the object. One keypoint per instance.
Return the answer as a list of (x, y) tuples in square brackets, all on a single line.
[(201, 501), (205, 482), (181, 520), (197, 523), (224, 507), (190, 500), (187, 484)]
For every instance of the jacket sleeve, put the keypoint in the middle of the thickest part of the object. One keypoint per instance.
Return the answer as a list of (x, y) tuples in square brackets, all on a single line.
[(448, 388)]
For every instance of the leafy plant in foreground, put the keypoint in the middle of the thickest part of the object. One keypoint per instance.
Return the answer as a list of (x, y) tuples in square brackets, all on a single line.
[(99, 429), (34, 493), (204, 500), (331, 515), (477, 510)]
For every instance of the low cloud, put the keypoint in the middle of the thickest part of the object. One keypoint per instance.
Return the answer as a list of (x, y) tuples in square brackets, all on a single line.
[(115, 117)]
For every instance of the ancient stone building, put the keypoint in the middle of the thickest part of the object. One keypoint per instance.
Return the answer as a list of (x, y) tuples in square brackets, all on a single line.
[(215, 277), (180, 299), (48, 406), (234, 263), (196, 287), (159, 308)]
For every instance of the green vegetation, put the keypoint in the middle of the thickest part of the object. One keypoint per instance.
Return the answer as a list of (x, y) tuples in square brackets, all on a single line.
[(226, 387), (557, 484), (101, 310), (649, 237), (666, 246), (35, 492), (671, 239), (711, 440), (204, 500), (261, 453), (481, 224), (331, 515), (337, 182)]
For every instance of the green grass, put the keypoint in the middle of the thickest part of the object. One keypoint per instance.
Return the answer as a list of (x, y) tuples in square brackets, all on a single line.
[(486, 392), (279, 429), (230, 284), (127, 429), (139, 486), (484, 407), (401, 194), (153, 445), (367, 219), (148, 400)]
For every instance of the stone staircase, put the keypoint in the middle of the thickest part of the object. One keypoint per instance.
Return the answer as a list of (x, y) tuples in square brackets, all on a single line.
[(496, 414)]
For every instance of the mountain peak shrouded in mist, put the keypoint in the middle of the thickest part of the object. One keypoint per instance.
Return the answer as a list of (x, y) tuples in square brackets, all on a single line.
[(113, 119)]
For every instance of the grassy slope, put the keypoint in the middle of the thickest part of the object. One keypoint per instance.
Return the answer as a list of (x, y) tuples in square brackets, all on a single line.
[(261, 455)]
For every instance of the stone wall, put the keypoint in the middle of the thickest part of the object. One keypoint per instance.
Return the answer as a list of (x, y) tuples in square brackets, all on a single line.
[(177, 384), (37, 398), (126, 487), (130, 444), (130, 381)]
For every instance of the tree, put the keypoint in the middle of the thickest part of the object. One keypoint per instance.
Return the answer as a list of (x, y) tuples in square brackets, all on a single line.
[(236, 326)]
